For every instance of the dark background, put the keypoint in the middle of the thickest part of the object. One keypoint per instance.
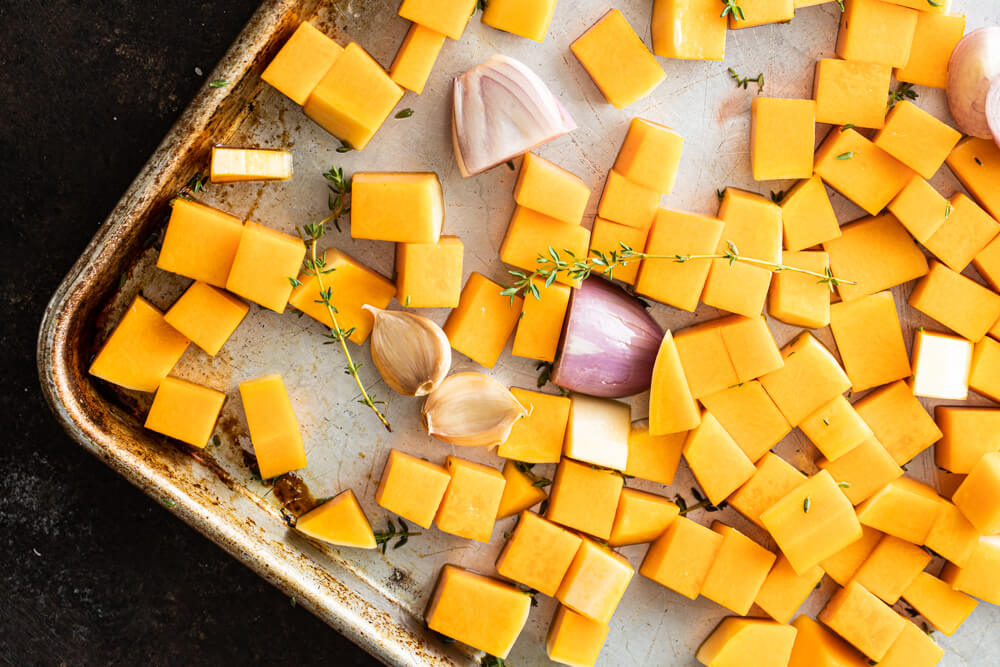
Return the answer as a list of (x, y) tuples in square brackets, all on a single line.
[(94, 572)]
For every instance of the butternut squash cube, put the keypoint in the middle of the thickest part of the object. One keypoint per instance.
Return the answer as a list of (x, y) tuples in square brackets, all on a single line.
[(574, 639), (526, 18), (761, 12), (301, 63), (617, 60), (985, 376), (185, 411), (519, 491), (502, 610), (141, 349), (848, 91), (406, 207), (628, 203), (738, 570), (870, 340), (470, 503), (352, 286), (748, 414), (429, 275), (976, 164), (898, 421), (530, 234), (913, 647), (810, 378), (815, 646), (650, 154), (688, 29), (934, 39), (876, 253), (987, 263), (978, 497), (941, 365), (920, 208), (483, 321), (541, 322), (750, 346), (862, 619), (653, 457), (274, 431), (807, 216), (744, 641), (716, 461), (980, 577), (861, 171), (872, 31), (353, 98), (682, 556), (952, 535), (810, 532), (584, 498), (264, 263), (537, 438), (915, 137), (416, 57), (233, 165), (607, 236), (891, 567), (339, 521), (445, 16), (784, 591), (207, 316), (939, 7), (945, 608), (966, 231), (678, 284), (412, 487), (904, 508), (799, 299), (863, 470), (598, 431), (595, 581), (550, 190), (959, 303), (836, 428), (200, 242), (967, 434), (705, 360), (774, 479), (842, 565), (782, 137), (671, 406), (641, 517), (538, 554)]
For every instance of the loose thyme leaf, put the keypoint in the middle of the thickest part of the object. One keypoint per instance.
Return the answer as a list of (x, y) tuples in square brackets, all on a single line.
[(932, 3), (947, 211), (848, 126), (978, 161), (903, 92), (405, 113), (846, 156), (806, 504), (344, 147), (844, 485), (219, 83)]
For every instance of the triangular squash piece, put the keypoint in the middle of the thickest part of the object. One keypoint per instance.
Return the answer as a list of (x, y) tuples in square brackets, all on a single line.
[(339, 521)]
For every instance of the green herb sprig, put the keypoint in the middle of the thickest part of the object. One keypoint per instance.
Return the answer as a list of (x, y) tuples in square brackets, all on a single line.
[(903, 92), (536, 480), (340, 188), (219, 83), (744, 81), (732, 8), (403, 535), (405, 113)]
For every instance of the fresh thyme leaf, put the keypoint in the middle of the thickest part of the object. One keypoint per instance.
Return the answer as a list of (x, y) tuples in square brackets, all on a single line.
[(744, 81), (294, 282), (216, 440), (978, 161), (826, 422), (806, 504), (292, 601), (933, 3), (391, 533), (733, 9), (776, 197), (407, 304), (405, 113), (219, 83), (510, 164), (840, 3), (492, 661), (344, 147), (848, 126), (846, 156), (947, 211), (720, 194), (844, 485), (903, 92), (167, 502)]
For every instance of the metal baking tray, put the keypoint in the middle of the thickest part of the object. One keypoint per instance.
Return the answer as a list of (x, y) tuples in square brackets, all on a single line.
[(377, 600)]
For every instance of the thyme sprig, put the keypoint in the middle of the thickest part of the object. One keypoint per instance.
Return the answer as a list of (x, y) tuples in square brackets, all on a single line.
[(536, 480), (315, 265), (733, 8), (701, 502), (903, 92), (492, 661), (744, 81), (404, 535), (340, 188)]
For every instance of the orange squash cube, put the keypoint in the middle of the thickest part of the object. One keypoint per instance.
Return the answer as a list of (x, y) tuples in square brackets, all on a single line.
[(671, 406), (682, 556), (807, 216), (416, 57), (750, 346), (985, 375), (550, 190), (913, 647), (799, 299), (836, 428), (406, 207), (595, 581), (541, 322), (483, 321), (978, 496), (185, 411), (653, 457), (538, 554), (445, 16), (891, 567), (650, 154), (920, 208), (538, 437), (784, 591), (815, 646), (959, 303), (967, 434), (641, 517), (842, 565), (810, 378), (987, 263), (274, 431), (748, 414), (519, 491), (301, 63), (782, 136), (952, 535), (530, 234), (945, 608), (904, 508), (934, 39), (584, 498), (872, 31), (574, 639), (743, 641), (607, 237), (628, 203), (429, 275), (412, 487), (705, 359), (597, 432), (235, 165), (738, 570), (848, 91), (863, 620), (207, 316), (965, 232), (863, 470), (716, 461), (980, 576), (526, 18), (976, 164), (870, 340), (774, 479), (339, 521), (689, 30), (470, 503), (200, 242), (915, 137), (861, 171), (898, 421), (264, 264)]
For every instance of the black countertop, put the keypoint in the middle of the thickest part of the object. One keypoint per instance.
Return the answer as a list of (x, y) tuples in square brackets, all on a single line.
[(95, 572)]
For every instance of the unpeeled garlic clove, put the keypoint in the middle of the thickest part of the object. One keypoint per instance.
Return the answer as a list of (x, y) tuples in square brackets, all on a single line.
[(411, 353), (472, 410)]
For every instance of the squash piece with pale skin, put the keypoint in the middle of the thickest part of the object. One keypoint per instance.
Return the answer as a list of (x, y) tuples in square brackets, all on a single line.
[(597, 431), (235, 165)]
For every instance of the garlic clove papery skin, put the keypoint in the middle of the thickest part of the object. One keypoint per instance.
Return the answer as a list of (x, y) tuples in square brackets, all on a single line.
[(471, 410), (411, 353)]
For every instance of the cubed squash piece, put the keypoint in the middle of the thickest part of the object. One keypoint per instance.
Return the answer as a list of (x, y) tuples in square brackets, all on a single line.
[(941, 365), (920, 208), (584, 498), (538, 554), (869, 624), (682, 556), (689, 30), (274, 431), (810, 378), (628, 203), (747, 641), (915, 137), (406, 207), (842, 565), (976, 164), (353, 98), (641, 517), (861, 171), (483, 321), (185, 411), (965, 232), (891, 567), (807, 216), (874, 253), (836, 428), (978, 497), (678, 284), (264, 264), (527, 18), (598, 431), (429, 275), (905, 508), (761, 12), (470, 503), (705, 360), (987, 263), (234, 165), (774, 479), (967, 434), (738, 570), (339, 521), (141, 349), (945, 608), (750, 346), (353, 286), (207, 316), (653, 457), (812, 522), (502, 610), (934, 39), (782, 136), (551, 190), (985, 376), (650, 154), (200, 242), (445, 16), (863, 470), (595, 581), (913, 647), (938, 7), (870, 340), (541, 322), (952, 535), (538, 437), (872, 31), (301, 63), (617, 60), (784, 591), (607, 237), (980, 576), (898, 421), (848, 91), (530, 234), (671, 406), (797, 298), (716, 461), (520, 491), (958, 302), (416, 57), (748, 414), (815, 646), (412, 487), (574, 639)]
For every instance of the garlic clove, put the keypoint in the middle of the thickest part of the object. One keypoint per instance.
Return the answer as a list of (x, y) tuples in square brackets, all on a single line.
[(411, 353), (472, 410)]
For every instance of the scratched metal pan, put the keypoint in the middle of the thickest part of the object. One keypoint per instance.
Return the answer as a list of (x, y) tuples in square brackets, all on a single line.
[(377, 600)]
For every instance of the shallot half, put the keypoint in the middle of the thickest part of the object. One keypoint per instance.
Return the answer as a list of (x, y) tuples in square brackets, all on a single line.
[(975, 67)]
